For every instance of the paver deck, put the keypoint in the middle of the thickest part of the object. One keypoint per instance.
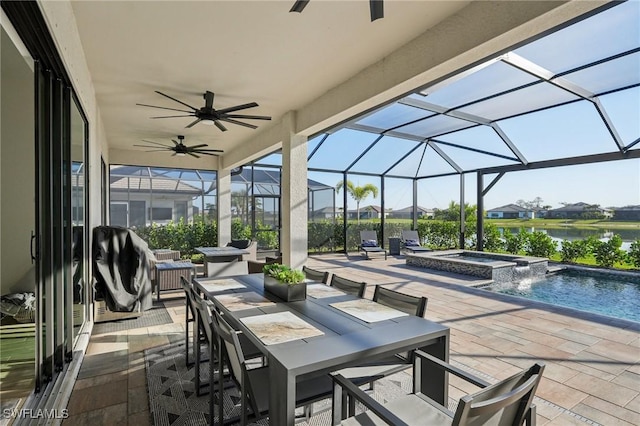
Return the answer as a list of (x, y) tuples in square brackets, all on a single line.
[(593, 362)]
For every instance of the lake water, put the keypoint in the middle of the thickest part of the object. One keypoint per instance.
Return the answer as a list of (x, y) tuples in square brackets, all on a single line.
[(570, 233)]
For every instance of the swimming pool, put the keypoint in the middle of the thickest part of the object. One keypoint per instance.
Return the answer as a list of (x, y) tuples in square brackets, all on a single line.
[(602, 294)]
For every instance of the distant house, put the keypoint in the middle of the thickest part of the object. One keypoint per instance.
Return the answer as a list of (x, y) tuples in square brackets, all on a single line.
[(626, 213), (323, 213), (407, 213), (510, 211), (134, 203), (368, 212), (579, 211)]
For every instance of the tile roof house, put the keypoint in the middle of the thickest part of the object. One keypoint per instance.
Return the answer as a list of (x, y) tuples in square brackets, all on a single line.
[(368, 212), (510, 211), (407, 213), (626, 213), (579, 210)]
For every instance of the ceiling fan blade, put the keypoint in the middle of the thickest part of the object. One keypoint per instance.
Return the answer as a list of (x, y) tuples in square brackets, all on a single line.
[(239, 123), (193, 123), (193, 155), (157, 150), (175, 142), (219, 125), (174, 99), (208, 153), (248, 117), (173, 116), (197, 146), (170, 109), (157, 143), (377, 9), (208, 99), (209, 150), (237, 108), (299, 6)]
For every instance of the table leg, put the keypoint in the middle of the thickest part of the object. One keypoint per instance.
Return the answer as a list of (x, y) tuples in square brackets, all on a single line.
[(435, 382), (282, 395)]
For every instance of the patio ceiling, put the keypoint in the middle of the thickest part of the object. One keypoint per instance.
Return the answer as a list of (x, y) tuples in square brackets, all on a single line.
[(572, 93)]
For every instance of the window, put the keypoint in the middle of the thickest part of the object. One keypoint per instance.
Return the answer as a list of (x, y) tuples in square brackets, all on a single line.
[(160, 213)]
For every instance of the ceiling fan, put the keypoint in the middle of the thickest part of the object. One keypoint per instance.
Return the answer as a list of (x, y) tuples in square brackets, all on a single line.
[(211, 116), (179, 148), (375, 6)]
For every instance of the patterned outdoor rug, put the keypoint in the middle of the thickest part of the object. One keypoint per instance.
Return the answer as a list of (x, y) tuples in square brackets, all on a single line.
[(157, 315), (173, 400)]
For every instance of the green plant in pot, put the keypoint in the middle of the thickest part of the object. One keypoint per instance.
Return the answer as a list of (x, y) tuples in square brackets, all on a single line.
[(286, 283)]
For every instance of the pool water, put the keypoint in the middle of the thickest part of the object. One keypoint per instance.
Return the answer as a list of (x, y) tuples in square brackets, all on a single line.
[(616, 297)]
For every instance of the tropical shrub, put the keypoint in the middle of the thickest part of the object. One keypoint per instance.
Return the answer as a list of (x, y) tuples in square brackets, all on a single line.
[(633, 256), (608, 252), (539, 244), (180, 236), (439, 234), (573, 250), (514, 243), (492, 238)]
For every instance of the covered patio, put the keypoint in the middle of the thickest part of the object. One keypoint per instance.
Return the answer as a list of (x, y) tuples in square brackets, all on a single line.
[(438, 91), (591, 374)]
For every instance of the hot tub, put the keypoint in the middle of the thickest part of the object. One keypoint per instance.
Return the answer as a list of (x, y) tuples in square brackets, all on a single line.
[(501, 268)]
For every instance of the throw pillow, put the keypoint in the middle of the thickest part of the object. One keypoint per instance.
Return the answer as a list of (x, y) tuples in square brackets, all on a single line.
[(369, 243), (411, 243)]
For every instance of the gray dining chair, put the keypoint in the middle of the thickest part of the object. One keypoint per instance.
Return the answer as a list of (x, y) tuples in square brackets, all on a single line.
[(412, 305), (190, 318), (204, 319), (348, 286), (380, 368), (315, 275), (508, 402), (252, 382)]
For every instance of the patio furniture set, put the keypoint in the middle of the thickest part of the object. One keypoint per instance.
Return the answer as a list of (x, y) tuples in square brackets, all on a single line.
[(410, 241), (327, 346)]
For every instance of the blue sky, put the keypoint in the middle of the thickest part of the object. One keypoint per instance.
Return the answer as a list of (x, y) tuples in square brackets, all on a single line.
[(573, 129)]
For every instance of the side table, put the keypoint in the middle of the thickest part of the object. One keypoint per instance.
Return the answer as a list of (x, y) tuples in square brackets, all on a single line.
[(168, 275)]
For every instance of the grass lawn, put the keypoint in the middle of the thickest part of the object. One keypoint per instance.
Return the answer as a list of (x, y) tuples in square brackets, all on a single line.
[(563, 223)]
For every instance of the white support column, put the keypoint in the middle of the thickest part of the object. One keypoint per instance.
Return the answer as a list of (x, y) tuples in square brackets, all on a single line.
[(293, 236), (224, 206)]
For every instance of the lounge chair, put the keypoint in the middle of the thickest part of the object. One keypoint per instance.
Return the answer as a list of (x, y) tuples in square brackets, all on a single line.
[(369, 244), (508, 402), (411, 242)]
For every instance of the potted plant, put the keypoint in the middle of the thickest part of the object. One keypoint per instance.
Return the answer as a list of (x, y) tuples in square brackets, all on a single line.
[(286, 283)]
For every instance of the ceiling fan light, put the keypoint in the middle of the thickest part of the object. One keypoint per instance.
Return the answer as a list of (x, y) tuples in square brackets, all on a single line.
[(180, 154), (207, 122)]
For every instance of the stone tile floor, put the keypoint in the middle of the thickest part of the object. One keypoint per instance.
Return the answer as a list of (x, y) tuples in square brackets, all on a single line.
[(592, 373)]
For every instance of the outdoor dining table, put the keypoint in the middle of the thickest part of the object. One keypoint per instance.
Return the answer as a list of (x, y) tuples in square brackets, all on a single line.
[(339, 340), (220, 255)]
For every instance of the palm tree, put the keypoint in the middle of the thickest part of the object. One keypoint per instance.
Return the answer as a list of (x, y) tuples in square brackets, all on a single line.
[(358, 193)]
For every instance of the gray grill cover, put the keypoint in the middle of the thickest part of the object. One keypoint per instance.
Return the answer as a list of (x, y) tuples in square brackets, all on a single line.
[(121, 269)]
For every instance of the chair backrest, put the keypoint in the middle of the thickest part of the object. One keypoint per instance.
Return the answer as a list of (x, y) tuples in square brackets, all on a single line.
[(235, 357), (316, 275), (255, 267), (188, 293), (369, 236), (203, 312), (501, 404), (410, 235), (413, 305), (348, 286)]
